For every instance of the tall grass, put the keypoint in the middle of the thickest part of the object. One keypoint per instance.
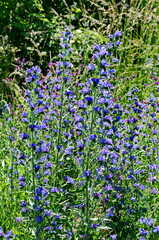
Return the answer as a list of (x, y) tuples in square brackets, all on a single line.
[(139, 22)]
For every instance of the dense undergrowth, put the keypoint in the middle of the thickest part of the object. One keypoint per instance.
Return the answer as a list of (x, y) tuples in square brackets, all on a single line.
[(78, 159)]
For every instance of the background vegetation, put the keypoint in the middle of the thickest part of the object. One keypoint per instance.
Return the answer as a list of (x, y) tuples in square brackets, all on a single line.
[(30, 29)]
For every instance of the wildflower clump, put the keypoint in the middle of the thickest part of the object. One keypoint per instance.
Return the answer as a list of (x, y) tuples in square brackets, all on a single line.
[(80, 165)]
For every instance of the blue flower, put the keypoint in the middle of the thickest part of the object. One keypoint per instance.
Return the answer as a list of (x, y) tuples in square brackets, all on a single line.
[(22, 178), (91, 67), (111, 36), (118, 33), (23, 204), (118, 43), (24, 114), (95, 225), (69, 180), (28, 70), (110, 44), (19, 219), (97, 195), (149, 222), (113, 237), (24, 136), (155, 229), (54, 189), (39, 190), (8, 234), (48, 212), (69, 234), (143, 220), (24, 210), (143, 232), (104, 63), (48, 229), (89, 100), (34, 76), (93, 137), (39, 219), (87, 173), (36, 69), (48, 165), (29, 79), (95, 81), (11, 138), (115, 60)]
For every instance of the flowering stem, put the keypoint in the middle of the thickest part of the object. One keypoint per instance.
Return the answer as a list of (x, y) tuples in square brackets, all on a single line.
[(92, 117), (87, 164), (60, 121)]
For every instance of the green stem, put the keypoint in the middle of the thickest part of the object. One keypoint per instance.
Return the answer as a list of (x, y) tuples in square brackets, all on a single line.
[(87, 208), (87, 165), (60, 123), (32, 162)]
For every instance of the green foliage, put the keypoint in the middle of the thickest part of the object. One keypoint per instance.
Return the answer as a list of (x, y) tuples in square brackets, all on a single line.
[(25, 29)]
